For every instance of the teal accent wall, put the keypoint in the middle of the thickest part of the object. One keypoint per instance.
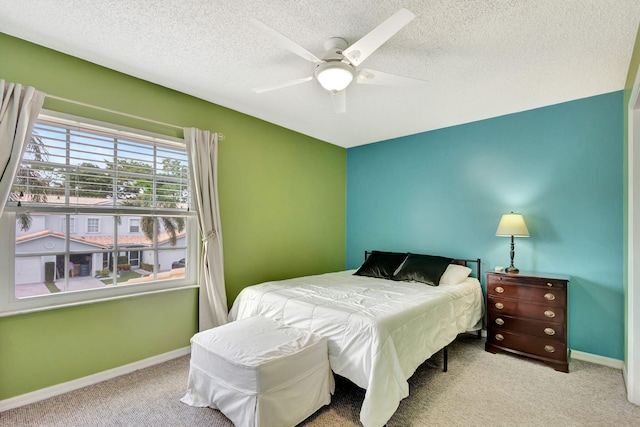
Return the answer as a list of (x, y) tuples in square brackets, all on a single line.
[(634, 64), (443, 192)]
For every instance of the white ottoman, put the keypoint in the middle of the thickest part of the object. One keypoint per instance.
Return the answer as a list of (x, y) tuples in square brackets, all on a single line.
[(259, 373)]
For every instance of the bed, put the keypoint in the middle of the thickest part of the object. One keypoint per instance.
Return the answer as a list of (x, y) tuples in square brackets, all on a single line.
[(380, 323)]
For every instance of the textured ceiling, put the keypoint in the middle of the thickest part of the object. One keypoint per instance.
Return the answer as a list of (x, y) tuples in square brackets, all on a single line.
[(481, 58)]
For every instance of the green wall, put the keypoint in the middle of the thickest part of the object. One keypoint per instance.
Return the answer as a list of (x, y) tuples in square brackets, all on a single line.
[(50, 347), (282, 197)]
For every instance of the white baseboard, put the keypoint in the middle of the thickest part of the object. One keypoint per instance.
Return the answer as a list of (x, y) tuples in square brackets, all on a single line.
[(599, 360), (633, 393), (45, 393)]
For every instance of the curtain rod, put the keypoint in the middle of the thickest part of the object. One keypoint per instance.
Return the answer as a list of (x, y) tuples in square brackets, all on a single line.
[(59, 98)]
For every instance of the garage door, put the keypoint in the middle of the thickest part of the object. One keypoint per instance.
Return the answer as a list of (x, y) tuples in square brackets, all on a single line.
[(29, 270)]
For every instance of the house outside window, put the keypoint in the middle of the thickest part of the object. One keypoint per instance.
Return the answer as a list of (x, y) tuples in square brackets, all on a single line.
[(134, 225), (93, 225), (72, 224), (98, 211), (134, 258)]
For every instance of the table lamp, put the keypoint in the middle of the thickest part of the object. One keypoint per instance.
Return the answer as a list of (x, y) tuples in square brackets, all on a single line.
[(512, 224)]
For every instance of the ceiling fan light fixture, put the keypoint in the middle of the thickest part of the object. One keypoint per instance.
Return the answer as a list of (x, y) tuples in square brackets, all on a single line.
[(334, 76)]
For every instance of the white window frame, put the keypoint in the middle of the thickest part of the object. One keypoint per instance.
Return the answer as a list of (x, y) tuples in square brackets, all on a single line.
[(89, 220), (72, 225), (133, 220), (10, 305)]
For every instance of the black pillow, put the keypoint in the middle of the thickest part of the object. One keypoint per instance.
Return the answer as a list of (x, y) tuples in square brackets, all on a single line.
[(381, 264), (423, 268)]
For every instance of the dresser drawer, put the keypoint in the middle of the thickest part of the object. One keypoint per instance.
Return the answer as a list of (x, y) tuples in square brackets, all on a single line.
[(556, 297), (553, 331), (543, 347), (550, 283), (527, 315), (517, 308)]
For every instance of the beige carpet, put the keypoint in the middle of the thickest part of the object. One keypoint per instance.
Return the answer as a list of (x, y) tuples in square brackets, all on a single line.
[(480, 389)]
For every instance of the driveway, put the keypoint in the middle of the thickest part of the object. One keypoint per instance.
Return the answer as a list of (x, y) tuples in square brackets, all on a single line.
[(75, 284)]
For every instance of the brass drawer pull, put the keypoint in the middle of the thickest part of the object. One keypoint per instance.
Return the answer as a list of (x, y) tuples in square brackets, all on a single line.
[(549, 284), (499, 305), (499, 289), (549, 331), (549, 296), (549, 348), (499, 337), (499, 321), (549, 313)]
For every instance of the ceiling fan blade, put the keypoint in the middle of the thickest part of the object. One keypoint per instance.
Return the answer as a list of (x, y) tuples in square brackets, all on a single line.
[(339, 100), (284, 41), (281, 85), (372, 77), (360, 50)]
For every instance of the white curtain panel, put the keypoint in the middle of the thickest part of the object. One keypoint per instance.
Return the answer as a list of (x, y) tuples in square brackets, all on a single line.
[(19, 109), (202, 148)]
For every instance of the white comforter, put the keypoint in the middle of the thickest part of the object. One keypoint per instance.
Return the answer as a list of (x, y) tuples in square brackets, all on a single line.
[(379, 331)]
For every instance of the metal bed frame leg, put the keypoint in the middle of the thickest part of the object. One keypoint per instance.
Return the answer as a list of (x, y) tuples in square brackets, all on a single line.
[(445, 357), (445, 350)]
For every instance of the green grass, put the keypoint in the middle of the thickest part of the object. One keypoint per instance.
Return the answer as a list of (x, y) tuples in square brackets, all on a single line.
[(126, 276)]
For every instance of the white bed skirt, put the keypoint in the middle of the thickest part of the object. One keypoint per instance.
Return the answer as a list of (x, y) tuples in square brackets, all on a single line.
[(259, 373), (251, 409)]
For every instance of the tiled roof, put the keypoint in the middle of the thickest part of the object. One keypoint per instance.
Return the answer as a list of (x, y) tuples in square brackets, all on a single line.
[(139, 239), (105, 241), (59, 200), (44, 233), (38, 234)]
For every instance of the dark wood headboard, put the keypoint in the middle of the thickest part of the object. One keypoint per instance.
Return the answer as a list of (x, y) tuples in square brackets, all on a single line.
[(476, 269)]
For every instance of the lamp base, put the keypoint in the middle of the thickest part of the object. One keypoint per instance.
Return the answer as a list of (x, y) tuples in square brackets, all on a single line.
[(511, 269)]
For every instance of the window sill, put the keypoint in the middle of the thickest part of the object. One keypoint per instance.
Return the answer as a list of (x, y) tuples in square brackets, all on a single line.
[(9, 311)]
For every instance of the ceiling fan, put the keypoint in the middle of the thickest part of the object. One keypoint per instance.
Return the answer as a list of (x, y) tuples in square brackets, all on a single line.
[(337, 68)]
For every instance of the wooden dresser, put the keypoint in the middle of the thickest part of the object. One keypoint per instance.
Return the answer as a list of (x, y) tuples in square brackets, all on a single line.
[(527, 315)]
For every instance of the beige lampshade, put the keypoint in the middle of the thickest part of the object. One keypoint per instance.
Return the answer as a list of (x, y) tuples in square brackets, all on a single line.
[(512, 224)]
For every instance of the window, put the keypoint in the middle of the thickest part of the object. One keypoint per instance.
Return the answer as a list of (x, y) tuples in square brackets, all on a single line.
[(93, 225), (134, 225), (97, 211), (72, 224)]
